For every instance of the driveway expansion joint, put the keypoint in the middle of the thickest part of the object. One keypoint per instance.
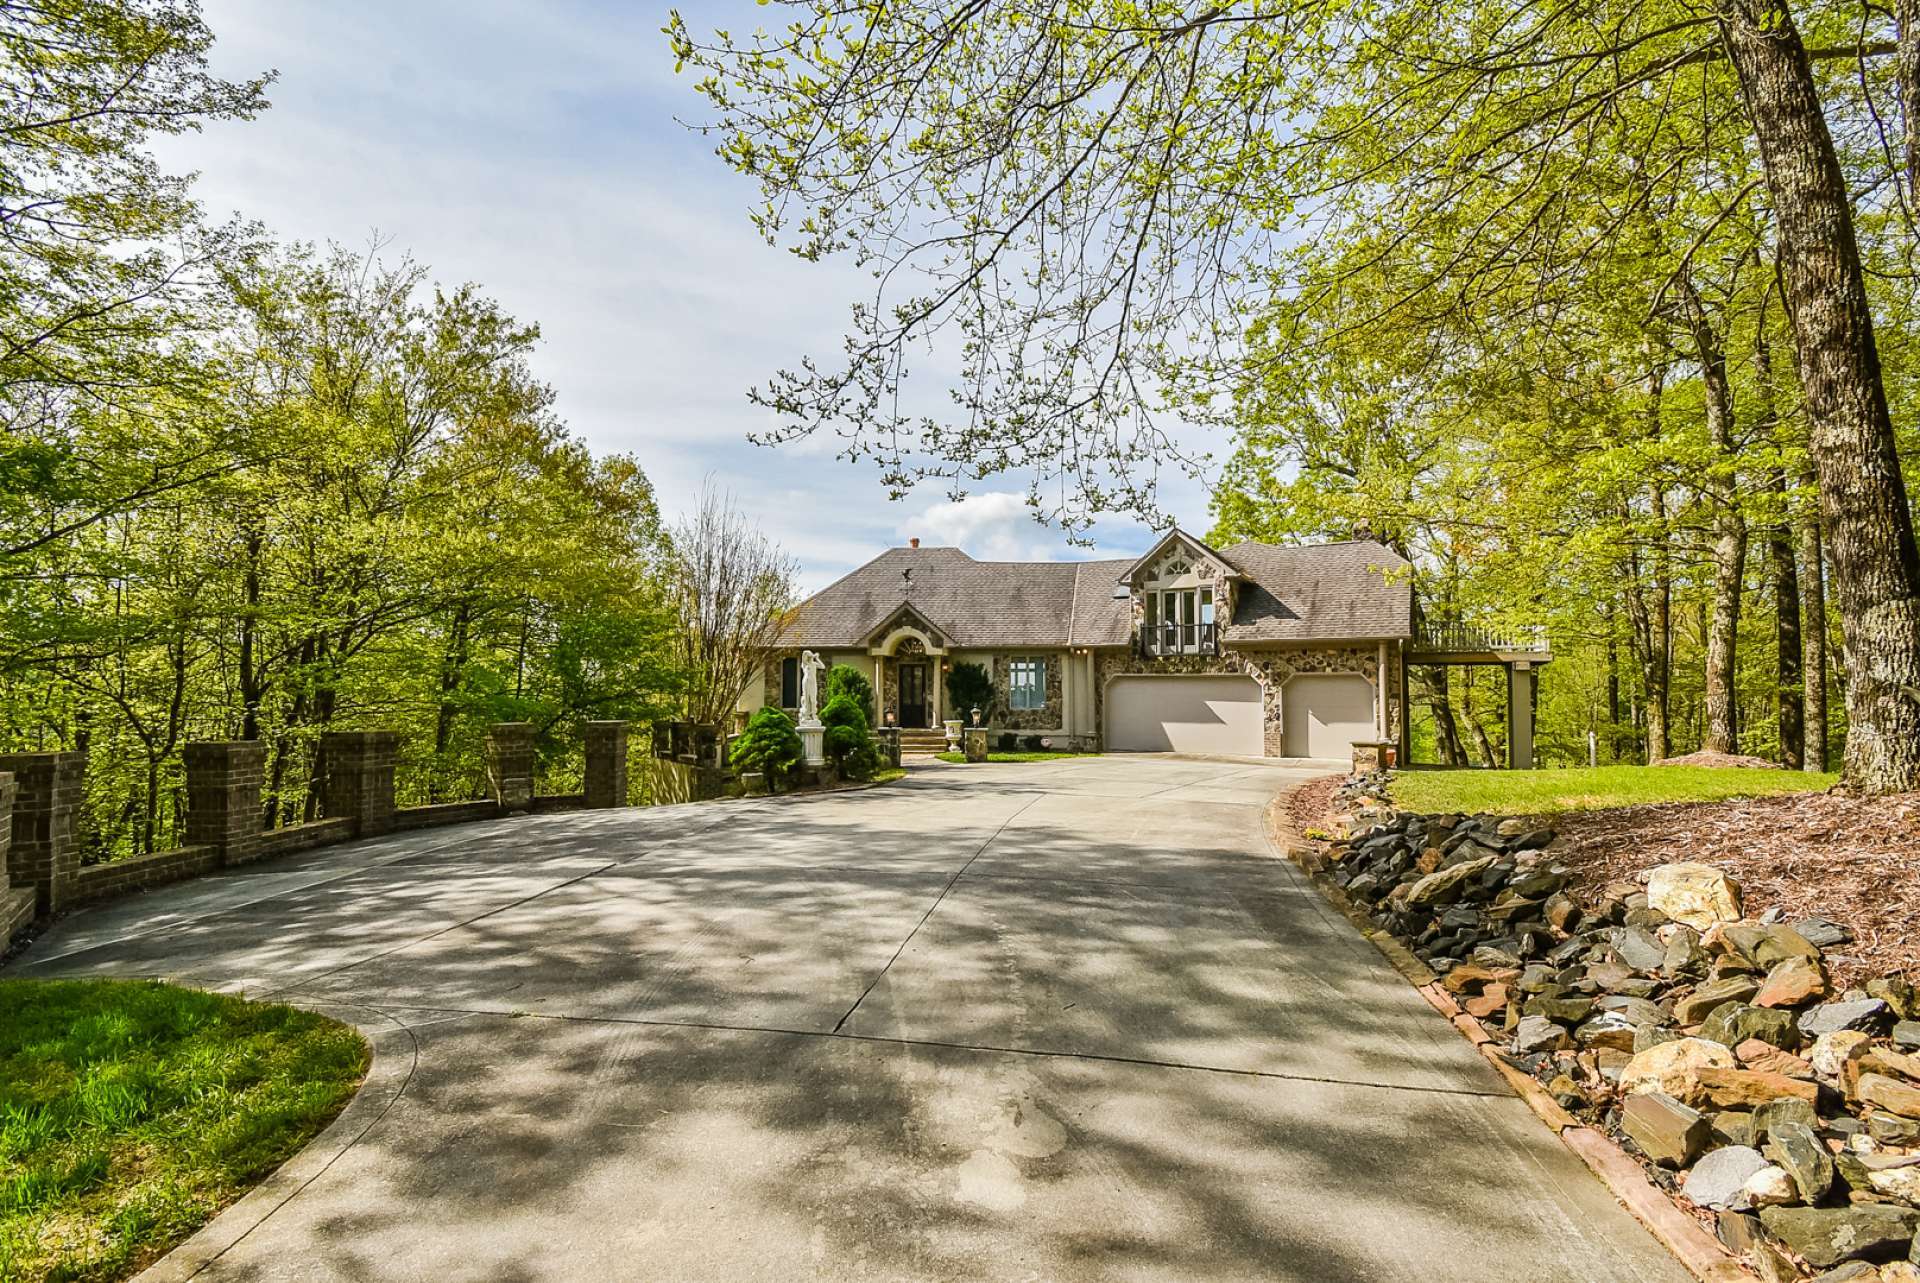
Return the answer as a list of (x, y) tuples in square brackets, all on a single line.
[(957, 875)]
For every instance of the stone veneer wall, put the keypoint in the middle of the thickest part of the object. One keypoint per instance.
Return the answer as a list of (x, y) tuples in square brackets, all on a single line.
[(770, 677), (1271, 668), (1051, 717)]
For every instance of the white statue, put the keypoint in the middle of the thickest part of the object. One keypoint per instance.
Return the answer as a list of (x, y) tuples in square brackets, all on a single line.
[(811, 666)]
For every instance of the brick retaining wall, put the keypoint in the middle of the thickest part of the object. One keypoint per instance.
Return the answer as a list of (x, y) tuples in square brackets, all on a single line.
[(142, 873), (38, 855)]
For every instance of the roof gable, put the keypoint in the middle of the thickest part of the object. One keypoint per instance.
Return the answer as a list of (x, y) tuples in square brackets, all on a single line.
[(1175, 541)]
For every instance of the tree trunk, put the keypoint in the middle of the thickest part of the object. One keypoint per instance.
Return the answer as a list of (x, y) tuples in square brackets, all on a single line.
[(1446, 732), (252, 690), (1729, 534), (1863, 500), (1907, 74), (1660, 671), (1790, 710), (1786, 634), (453, 670), (1813, 632)]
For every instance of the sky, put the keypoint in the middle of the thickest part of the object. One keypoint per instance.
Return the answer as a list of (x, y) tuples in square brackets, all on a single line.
[(538, 149)]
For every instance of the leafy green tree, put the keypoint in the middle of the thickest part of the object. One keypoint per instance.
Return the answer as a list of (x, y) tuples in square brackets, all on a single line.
[(969, 687), (105, 262), (848, 738), (1096, 202), (845, 679), (769, 745)]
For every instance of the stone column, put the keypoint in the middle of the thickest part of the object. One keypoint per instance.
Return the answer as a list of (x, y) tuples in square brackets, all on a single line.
[(357, 782), (510, 764), (975, 738), (223, 797), (606, 764), (43, 853)]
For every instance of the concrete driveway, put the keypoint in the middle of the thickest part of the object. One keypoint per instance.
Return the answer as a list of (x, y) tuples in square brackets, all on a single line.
[(1056, 1021)]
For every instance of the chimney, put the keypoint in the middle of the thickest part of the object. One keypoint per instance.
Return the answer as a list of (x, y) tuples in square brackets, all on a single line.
[(914, 542)]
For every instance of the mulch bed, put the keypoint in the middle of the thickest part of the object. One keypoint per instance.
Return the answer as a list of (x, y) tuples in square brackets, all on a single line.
[(1707, 758), (1308, 805), (1855, 861)]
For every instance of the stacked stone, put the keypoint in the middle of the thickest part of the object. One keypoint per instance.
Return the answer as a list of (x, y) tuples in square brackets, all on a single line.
[(1712, 1044)]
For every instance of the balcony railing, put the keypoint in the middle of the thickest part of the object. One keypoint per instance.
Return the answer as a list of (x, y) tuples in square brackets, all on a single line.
[(1180, 639), (1524, 638)]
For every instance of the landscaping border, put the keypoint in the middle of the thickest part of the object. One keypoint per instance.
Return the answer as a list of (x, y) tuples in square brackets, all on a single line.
[(393, 1054), (1702, 1253)]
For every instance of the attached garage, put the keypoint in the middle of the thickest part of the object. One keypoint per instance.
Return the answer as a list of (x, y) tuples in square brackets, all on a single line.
[(1216, 713), (1323, 714)]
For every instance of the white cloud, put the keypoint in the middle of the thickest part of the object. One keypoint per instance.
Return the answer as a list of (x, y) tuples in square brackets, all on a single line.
[(542, 160), (994, 526)]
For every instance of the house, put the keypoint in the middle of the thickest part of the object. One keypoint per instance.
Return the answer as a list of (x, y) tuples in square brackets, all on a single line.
[(1249, 650)]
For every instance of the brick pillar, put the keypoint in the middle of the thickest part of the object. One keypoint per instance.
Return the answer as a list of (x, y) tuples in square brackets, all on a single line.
[(7, 792), (223, 797), (510, 764), (43, 853), (606, 764), (358, 778)]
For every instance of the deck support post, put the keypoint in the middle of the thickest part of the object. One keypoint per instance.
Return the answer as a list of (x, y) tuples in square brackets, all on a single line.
[(1520, 715)]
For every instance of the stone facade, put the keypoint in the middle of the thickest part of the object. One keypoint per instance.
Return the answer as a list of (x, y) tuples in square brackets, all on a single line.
[(223, 797), (1269, 667), (606, 783), (43, 852), (1050, 717), (770, 679), (911, 650), (357, 779)]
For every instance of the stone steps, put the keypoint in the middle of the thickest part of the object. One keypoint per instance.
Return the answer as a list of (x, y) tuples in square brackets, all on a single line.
[(918, 741)]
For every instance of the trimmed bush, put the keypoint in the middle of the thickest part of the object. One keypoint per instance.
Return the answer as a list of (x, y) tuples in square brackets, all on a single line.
[(968, 688), (1009, 741), (845, 679), (1031, 743), (770, 745), (848, 741)]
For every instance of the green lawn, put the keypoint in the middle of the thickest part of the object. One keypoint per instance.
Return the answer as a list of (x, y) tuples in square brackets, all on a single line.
[(131, 1112), (1012, 757), (1590, 788)]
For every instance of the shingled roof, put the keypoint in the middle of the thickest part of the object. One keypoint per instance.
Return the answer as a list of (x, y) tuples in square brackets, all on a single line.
[(1321, 593)]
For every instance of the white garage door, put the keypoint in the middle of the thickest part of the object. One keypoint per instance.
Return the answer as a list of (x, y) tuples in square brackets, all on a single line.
[(1324, 715), (1185, 715)]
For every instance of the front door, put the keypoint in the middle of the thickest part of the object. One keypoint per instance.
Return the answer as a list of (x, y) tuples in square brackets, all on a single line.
[(913, 695)]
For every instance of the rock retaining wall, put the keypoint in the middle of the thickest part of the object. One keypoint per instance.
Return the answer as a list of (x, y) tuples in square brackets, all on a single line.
[(1705, 1040)]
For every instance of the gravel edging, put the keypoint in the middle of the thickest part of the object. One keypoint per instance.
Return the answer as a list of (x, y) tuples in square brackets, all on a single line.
[(1703, 1255)]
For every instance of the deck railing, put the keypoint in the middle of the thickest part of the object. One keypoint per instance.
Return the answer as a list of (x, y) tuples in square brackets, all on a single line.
[(1180, 639), (1473, 637)]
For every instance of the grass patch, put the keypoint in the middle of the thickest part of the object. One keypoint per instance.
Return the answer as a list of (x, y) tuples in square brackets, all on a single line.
[(1590, 788), (132, 1111), (888, 774), (1012, 757)]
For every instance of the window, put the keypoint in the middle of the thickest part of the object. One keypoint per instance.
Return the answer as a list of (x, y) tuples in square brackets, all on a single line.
[(1027, 684), (790, 683), (1180, 620)]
